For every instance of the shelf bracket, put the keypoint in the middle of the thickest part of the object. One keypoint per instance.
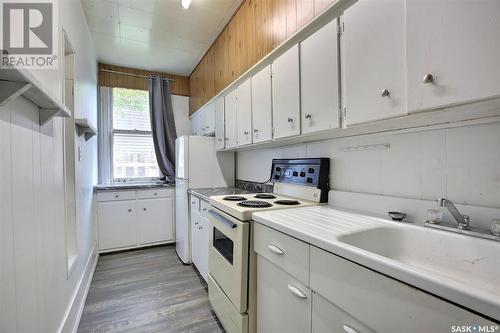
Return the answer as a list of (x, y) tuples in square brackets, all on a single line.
[(10, 90), (46, 114)]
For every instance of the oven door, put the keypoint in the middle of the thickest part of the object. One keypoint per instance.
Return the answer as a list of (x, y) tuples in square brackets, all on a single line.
[(228, 256)]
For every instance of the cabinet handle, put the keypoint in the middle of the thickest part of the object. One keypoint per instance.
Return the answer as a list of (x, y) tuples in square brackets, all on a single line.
[(296, 291), (130, 210), (144, 209), (156, 194), (117, 196), (290, 120), (200, 228), (204, 209), (275, 249), (196, 223), (428, 78), (193, 202), (255, 130), (227, 139), (308, 116), (246, 132), (219, 139), (349, 329), (385, 93)]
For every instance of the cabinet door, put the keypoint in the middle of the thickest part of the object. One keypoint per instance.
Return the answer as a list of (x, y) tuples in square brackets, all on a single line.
[(262, 121), (203, 229), (283, 303), (195, 248), (244, 109), (202, 116), (231, 120), (209, 118), (286, 94), (219, 123), (458, 42), (155, 220), (319, 80), (373, 61), (326, 317), (117, 224), (195, 124)]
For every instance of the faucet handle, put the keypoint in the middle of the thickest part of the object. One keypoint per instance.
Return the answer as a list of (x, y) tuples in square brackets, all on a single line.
[(464, 225)]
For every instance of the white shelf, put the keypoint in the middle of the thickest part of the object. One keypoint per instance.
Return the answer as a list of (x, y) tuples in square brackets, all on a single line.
[(20, 82), (85, 127)]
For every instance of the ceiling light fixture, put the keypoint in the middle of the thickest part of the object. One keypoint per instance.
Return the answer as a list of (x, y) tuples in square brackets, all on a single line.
[(185, 3)]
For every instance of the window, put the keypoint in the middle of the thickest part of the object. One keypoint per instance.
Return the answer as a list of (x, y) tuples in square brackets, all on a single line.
[(133, 154)]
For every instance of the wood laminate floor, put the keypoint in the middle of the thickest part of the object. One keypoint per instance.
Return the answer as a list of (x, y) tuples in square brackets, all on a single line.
[(148, 290)]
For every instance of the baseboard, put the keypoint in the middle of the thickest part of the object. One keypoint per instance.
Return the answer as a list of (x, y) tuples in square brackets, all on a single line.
[(75, 310)]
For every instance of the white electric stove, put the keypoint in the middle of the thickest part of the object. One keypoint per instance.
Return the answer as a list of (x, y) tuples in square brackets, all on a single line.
[(231, 260)]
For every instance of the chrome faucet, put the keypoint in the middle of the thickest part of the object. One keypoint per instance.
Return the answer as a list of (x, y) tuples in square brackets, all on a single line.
[(462, 220)]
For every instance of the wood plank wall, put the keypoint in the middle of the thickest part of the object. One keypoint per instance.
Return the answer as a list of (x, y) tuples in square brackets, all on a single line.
[(256, 28), (180, 86)]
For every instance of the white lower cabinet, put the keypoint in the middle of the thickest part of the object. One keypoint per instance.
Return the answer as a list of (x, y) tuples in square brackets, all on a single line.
[(342, 296), (156, 220), (199, 235), (127, 219), (283, 303), (117, 224)]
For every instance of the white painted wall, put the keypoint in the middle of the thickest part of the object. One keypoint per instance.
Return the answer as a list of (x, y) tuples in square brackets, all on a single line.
[(180, 104), (462, 164), (36, 294)]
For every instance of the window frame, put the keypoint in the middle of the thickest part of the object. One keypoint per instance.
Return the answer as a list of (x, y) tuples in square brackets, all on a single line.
[(114, 131)]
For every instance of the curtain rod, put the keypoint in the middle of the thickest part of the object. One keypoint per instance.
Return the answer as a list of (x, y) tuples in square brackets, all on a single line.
[(136, 75)]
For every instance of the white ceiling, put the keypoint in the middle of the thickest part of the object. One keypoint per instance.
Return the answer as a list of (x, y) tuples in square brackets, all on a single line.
[(157, 35)]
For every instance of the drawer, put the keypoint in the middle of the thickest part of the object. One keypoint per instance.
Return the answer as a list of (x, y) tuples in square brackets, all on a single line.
[(115, 195), (195, 203), (369, 297), (155, 193), (284, 251), (231, 319), (204, 208)]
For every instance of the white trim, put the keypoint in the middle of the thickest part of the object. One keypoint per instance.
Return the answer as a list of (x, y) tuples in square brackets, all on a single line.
[(77, 304)]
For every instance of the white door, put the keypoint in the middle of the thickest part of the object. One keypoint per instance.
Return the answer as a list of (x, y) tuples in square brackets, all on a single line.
[(219, 123), (230, 116), (244, 109), (286, 94), (262, 118), (327, 317), (283, 303), (458, 43), (117, 224), (203, 229), (210, 118), (195, 124), (155, 220), (319, 80), (373, 61)]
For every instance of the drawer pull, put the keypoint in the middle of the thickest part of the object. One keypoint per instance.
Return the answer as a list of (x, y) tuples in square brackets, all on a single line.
[(156, 194), (275, 249), (204, 209), (144, 209), (349, 329), (193, 202), (130, 210), (296, 291), (117, 196)]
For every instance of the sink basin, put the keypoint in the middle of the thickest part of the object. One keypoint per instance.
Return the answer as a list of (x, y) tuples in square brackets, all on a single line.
[(465, 259)]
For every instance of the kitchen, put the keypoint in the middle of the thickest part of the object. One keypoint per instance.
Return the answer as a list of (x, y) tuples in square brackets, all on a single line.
[(250, 166)]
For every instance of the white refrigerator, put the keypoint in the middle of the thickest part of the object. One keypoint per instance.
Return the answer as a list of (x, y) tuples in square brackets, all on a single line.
[(197, 165)]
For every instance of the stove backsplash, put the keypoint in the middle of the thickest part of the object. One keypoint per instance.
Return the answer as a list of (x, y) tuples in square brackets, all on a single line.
[(253, 186)]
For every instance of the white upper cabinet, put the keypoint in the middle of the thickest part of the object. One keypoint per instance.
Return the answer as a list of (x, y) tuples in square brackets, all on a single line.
[(458, 44), (319, 80), (195, 124), (286, 94), (231, 129), (244, 109), (373, 60), (219, 123), (208, 124), (262, 106)]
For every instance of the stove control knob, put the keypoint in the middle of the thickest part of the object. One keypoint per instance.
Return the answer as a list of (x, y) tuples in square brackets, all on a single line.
[(311, 170), (278, 169), (276, 176), (309, 180), (295, 173), (302, 174)]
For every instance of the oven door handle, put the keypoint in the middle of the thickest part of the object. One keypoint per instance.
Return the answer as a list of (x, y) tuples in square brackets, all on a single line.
[(223, 219)]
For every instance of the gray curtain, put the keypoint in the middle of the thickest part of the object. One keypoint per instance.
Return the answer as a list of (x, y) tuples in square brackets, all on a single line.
[(162, 124)]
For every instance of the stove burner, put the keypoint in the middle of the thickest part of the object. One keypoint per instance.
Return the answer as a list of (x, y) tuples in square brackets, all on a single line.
[(234, 198), (254, 204), (265, 196), (287, 202)]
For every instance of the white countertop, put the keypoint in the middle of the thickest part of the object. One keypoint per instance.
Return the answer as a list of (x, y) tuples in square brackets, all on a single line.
[(322, 226)]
